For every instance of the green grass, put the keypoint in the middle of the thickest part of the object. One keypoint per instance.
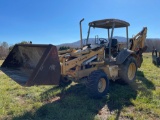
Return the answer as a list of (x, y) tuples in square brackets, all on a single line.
[(1, 61), (140, 100)]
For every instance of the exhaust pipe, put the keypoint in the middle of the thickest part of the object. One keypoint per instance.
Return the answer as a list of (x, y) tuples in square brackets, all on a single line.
[(80, 23)]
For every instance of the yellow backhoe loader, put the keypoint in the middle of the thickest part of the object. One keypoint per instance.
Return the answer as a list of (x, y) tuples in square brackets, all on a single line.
[(33, 64)]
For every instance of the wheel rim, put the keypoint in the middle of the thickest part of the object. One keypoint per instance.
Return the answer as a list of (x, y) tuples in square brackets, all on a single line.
[(131, 71), (101, 85)]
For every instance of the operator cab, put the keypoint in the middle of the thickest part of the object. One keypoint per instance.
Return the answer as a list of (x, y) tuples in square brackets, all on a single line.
[(112, 46)]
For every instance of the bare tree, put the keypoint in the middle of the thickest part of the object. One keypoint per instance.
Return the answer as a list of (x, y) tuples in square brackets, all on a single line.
[(4, 50)]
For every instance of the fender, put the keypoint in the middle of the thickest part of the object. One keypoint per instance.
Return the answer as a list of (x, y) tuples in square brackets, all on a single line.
[(123, 55)]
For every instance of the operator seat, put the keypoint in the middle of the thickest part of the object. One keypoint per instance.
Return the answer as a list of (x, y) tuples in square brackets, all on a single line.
[(114, 47), (114, 43)]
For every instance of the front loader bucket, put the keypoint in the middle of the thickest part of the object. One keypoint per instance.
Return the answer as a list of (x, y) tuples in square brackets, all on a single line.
[(32, 64)]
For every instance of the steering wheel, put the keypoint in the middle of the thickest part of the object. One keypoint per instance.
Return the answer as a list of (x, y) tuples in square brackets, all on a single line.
[(103, 40)]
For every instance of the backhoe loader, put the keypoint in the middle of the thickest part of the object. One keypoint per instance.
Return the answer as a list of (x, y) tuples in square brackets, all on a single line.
[(33, 64)]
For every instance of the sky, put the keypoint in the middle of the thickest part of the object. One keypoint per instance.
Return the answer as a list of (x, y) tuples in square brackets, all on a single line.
[(57, 21)]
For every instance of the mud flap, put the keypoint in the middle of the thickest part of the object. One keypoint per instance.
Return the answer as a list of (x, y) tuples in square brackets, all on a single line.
[(33, 64)]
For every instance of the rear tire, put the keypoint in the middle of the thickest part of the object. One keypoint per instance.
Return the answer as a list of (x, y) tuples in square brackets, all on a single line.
[(97, 84), (128, 70)]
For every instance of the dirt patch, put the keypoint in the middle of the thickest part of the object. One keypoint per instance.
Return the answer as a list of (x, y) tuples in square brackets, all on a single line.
[(53, 99), (1, 73), (20, 100), (104, 113)]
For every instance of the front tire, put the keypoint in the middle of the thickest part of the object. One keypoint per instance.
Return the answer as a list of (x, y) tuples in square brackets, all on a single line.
[(128, 70), (97, 84), (64, 81)]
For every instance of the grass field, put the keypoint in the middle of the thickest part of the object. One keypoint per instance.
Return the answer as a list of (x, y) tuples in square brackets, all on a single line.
[(140, 100)]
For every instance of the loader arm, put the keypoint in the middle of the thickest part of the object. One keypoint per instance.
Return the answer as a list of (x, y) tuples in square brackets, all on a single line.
[(137, 45)]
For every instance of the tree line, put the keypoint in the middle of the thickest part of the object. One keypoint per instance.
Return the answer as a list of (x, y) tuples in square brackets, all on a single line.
[(5, 48), (153, 44)]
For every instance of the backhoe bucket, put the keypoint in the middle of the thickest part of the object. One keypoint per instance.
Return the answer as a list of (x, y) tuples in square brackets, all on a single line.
[(33, 64)]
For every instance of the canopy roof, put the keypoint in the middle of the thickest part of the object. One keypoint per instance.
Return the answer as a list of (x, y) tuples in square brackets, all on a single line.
[(107, 23)]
